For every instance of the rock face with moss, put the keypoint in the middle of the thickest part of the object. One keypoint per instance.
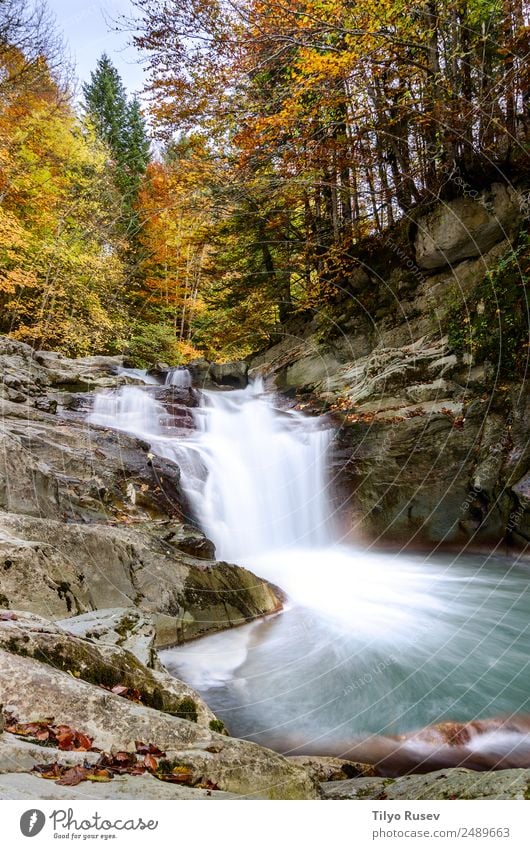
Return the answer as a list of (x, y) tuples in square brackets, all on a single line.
[(46, 672), (90, 519), (126, 627), (422, 362), (101, 664), (57, 569)]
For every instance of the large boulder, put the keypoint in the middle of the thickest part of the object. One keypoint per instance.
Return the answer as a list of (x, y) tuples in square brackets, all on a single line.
[(31, 689), (233, 374), (58, 570), (64, 470), (102, 664), (465, 227)]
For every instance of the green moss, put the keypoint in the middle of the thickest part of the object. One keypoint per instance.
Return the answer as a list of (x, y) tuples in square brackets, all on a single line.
[(218, 726), (368, 793), (186, 709), (4, 601), (491, 324), (126, 626), (84, 662)]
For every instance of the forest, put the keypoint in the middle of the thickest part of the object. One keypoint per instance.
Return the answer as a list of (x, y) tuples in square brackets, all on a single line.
[(265, 466), (277, 147)]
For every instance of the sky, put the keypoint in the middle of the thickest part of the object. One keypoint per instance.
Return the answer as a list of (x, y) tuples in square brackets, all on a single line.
[(87, 29)]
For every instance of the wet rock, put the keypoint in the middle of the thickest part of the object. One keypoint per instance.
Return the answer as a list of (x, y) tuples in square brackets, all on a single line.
[(79, 374), (47, 405), (57, 569), (159, 370), (18, 755), (185, 538), (432, 391), (331, 769), (229, 374), (199, 370), (144, 787), (126, 627), (63, 469), (444, 784)]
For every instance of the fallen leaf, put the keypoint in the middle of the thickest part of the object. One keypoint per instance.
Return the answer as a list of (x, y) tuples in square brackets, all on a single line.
[(73, 776), (99, 775), (148, 749), (151, 762), (174, 778)]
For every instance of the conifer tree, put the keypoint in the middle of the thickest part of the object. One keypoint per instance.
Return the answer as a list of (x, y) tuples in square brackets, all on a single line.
[(121, 126)]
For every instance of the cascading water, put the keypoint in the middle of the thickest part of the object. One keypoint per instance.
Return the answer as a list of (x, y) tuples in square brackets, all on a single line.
[(368, 642), (265, 485), (138, 374), (179, 377)]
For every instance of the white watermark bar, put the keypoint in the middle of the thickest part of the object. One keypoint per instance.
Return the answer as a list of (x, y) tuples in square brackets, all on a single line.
[(238, 824)]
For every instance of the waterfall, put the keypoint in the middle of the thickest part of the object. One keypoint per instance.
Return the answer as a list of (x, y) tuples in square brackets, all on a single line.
[(179, 377), (138, 374), (266, 485), (255, 476), (130, 409), (368, 642)]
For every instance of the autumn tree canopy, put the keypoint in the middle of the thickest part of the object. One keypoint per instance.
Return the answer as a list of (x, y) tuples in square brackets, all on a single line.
[(334, 120), (274, 142)]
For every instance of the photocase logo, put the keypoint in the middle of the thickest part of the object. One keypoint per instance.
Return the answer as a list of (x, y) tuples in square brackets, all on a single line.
[(32, 822)]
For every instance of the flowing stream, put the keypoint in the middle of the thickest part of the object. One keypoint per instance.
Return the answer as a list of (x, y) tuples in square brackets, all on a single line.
[(368, 642)]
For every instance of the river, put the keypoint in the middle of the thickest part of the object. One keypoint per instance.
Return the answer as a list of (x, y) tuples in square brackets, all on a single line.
[(368, 642)]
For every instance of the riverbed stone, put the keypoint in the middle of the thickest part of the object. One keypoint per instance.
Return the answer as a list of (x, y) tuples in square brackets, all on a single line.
[(232, 374), (141, 787), (106, 665), (323, 768), (59, 570), (443, 784), (126, 627)]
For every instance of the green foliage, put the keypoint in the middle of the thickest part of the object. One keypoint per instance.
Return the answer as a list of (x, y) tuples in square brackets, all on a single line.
[(152, 343), (120, 125), (493, 323), (106, 106), (187, 709), (61, 276)]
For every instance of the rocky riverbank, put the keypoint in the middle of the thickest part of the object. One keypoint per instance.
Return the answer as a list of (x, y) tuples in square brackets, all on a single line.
[(91, 519), (99, 567), (415, 361)]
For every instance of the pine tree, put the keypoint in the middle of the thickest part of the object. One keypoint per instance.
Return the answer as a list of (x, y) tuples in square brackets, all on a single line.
[(121, 126), (137, 147), (106, 107)]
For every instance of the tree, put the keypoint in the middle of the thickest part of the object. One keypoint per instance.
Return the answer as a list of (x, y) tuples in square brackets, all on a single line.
[(137, 147), (106, 107), (60, 270), (337, 119), (121, 127)]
